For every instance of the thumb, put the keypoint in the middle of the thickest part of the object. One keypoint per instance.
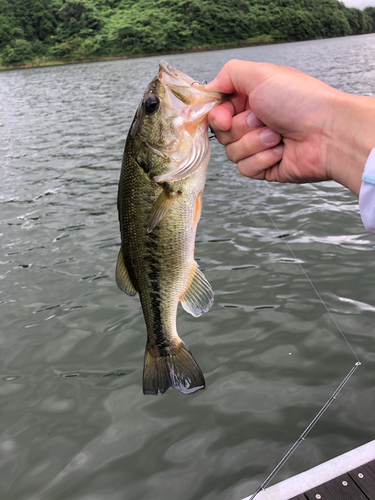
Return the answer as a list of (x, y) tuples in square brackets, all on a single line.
[(241, 77)]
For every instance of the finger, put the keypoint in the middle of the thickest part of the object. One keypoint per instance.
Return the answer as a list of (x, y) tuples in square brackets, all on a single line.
[(240, 77), (239, 102), (263, 165), (241, 124), (220, 118), (251, 143)]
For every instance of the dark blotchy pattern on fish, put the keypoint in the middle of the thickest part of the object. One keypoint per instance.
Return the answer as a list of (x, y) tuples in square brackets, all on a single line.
[(158, 222)]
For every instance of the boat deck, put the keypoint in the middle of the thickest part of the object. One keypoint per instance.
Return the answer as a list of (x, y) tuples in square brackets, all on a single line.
[(358, 484), (350, 476)]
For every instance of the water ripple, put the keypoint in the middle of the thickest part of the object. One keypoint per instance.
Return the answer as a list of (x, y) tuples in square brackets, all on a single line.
[(74, 422)]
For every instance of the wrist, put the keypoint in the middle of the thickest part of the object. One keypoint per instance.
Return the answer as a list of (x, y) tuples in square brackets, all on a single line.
[(352, 139)]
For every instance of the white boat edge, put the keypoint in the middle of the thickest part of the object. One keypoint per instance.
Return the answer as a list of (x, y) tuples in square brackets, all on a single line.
[(296, 485)]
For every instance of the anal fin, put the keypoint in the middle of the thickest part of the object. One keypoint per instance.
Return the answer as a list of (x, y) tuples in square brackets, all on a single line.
[(199, 296), (123, 280)]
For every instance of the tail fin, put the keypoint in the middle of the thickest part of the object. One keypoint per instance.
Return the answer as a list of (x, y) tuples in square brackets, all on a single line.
[(179, 371)]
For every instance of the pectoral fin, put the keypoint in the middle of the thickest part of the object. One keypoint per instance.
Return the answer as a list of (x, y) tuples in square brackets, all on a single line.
[(199, 296), (161, 207), (122, 277)]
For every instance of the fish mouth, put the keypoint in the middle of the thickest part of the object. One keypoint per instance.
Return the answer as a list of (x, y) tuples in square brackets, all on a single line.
[(173, 77), (186, 89)]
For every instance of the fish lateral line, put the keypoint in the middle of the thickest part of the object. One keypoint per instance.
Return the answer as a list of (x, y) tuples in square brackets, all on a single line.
[(160, 199)]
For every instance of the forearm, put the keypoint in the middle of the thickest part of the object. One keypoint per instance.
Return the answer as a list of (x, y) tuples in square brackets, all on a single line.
[(352, 137)]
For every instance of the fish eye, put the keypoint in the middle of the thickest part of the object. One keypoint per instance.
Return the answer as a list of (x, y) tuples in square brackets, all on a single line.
[(151, 104)]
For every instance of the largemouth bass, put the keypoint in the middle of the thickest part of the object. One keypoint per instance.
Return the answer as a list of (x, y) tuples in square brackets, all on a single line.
[(159, 203)]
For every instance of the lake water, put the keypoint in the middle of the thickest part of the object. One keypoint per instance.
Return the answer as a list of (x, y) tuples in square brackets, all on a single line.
[(74, 423)]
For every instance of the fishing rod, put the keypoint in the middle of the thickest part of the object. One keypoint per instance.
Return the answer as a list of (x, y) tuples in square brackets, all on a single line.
[(335, 393)]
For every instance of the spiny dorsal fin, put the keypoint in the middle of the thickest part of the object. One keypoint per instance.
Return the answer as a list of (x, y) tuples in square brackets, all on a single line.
[(199, 296), (122, 277), (161, 207)]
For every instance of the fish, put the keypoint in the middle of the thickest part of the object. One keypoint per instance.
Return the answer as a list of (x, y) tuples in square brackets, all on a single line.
[(161, 185)]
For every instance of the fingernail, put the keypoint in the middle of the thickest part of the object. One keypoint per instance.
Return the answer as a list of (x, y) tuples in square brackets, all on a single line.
[(279, 149), (254, 121), (269, 136)]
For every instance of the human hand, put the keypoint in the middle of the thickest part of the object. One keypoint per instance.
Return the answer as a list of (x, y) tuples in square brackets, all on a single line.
[(314, 121)]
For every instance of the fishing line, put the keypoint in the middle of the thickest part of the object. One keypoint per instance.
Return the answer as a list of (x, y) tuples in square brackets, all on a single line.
[(335, 393)]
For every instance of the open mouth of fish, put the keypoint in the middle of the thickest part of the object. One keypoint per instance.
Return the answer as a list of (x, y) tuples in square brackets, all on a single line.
[(170, 76), (185, 95), (160, 200)]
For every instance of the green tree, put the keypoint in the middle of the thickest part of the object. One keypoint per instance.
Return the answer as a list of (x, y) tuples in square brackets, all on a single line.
[(370, 12), (17, 52), (71, 29)]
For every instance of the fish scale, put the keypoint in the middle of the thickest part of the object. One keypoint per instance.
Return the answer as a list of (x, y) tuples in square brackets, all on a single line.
[(158, 220)]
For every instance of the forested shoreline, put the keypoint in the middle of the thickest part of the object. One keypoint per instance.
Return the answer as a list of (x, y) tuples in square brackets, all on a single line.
[(40, 32)]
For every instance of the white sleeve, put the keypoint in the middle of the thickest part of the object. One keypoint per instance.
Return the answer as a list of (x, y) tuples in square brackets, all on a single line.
[(367, 194)]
